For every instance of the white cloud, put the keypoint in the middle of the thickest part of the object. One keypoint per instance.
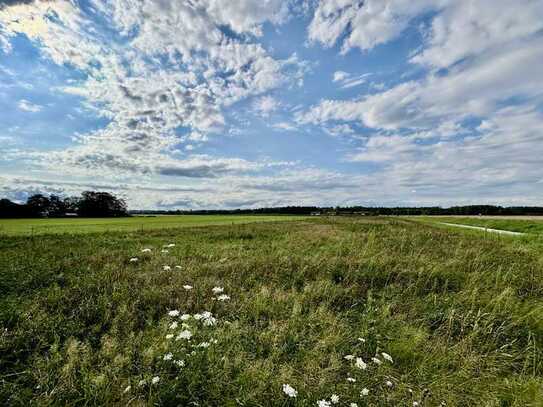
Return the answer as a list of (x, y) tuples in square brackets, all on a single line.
[(29, 106), (366, 23), (172, 67), (265, 105)]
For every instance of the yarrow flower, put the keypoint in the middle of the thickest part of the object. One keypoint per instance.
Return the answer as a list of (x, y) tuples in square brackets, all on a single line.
[(173, 313), (166, 268), (185, 334), (142, 382), (362, 340), (387, 357), (168, 356), (179, 363), (155, 380), (364, 392), (334, 398), (353, 405), (146, 250), (174, 325), (351, 379), (217, 290), (185, 317), (323, 403), (187, 287), (164, 251), (415, 404), (133, 260), (223, 297), (204, 345), (289, 390), (349, 357), (389, 383), (360, 364), (169, 336), (376, 361)]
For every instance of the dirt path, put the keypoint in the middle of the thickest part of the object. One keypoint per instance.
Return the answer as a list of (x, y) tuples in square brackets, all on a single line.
[(499, 231)]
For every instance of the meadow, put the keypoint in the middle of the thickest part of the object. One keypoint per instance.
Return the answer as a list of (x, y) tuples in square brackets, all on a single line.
[(133, 223), (317, 312)]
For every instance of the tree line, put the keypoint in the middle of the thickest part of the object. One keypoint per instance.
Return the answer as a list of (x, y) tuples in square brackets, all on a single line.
[(486, 210), (89, 204)]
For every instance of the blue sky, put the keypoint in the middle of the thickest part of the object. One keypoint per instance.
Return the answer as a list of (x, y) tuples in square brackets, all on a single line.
[(213, 104)]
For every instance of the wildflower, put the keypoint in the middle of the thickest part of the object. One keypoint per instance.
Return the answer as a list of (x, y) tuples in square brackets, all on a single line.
[(364, 392), (173, 313), (155, 380), (170, 245), (387, 357), (349, 357), (323, 403), (376, 361), (415, 404), (142, 382), (179, 363), (353, 405), (127, 389), (173, 325), (351, 379), (198, 317), (389, 383), (206, 314), (185, 334), (169, 336), (185, 317), (362, 340), (334, 398), (289, 390), (360, 364), (204, 345), (178, 267), (217, 290), (166, 268), (187, 287), (146, 250), (133, 260), (185, 325), (164, 251), (223, 297), (210, 321)]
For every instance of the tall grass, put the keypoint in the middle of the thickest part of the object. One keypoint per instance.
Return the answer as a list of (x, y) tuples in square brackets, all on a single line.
[(461, 315)]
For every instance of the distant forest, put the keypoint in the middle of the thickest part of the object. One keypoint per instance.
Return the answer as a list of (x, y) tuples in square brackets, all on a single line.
[(363, 210), (104, 204)]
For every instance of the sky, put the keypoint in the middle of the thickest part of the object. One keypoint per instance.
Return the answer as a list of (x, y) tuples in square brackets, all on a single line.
[(190, 104)]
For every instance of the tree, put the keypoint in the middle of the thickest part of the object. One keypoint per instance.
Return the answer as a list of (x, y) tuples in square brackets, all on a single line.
[(57, 207), (38, 205), (9, 209), (101, 204)]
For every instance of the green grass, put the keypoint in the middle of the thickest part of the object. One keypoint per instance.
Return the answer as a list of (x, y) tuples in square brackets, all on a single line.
[(88, 225), (513, 225), (460, 314)]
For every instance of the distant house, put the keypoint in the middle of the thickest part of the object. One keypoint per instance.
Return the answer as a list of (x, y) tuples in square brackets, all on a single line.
[(316, 213)]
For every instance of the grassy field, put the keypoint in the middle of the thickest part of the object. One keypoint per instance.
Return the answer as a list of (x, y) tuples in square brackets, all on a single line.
[(534, 225), (88, 225), (459, 314)]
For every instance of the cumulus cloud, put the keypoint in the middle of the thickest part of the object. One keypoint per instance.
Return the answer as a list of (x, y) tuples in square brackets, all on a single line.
[(170, 66)]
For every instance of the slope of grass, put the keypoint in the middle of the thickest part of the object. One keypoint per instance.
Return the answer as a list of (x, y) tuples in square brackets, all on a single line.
[(460, 315), (514, 225), (92, 225)]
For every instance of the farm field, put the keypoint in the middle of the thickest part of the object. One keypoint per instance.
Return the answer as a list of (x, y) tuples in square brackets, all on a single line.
[(531, 225), (89, 225), (373, 311)]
